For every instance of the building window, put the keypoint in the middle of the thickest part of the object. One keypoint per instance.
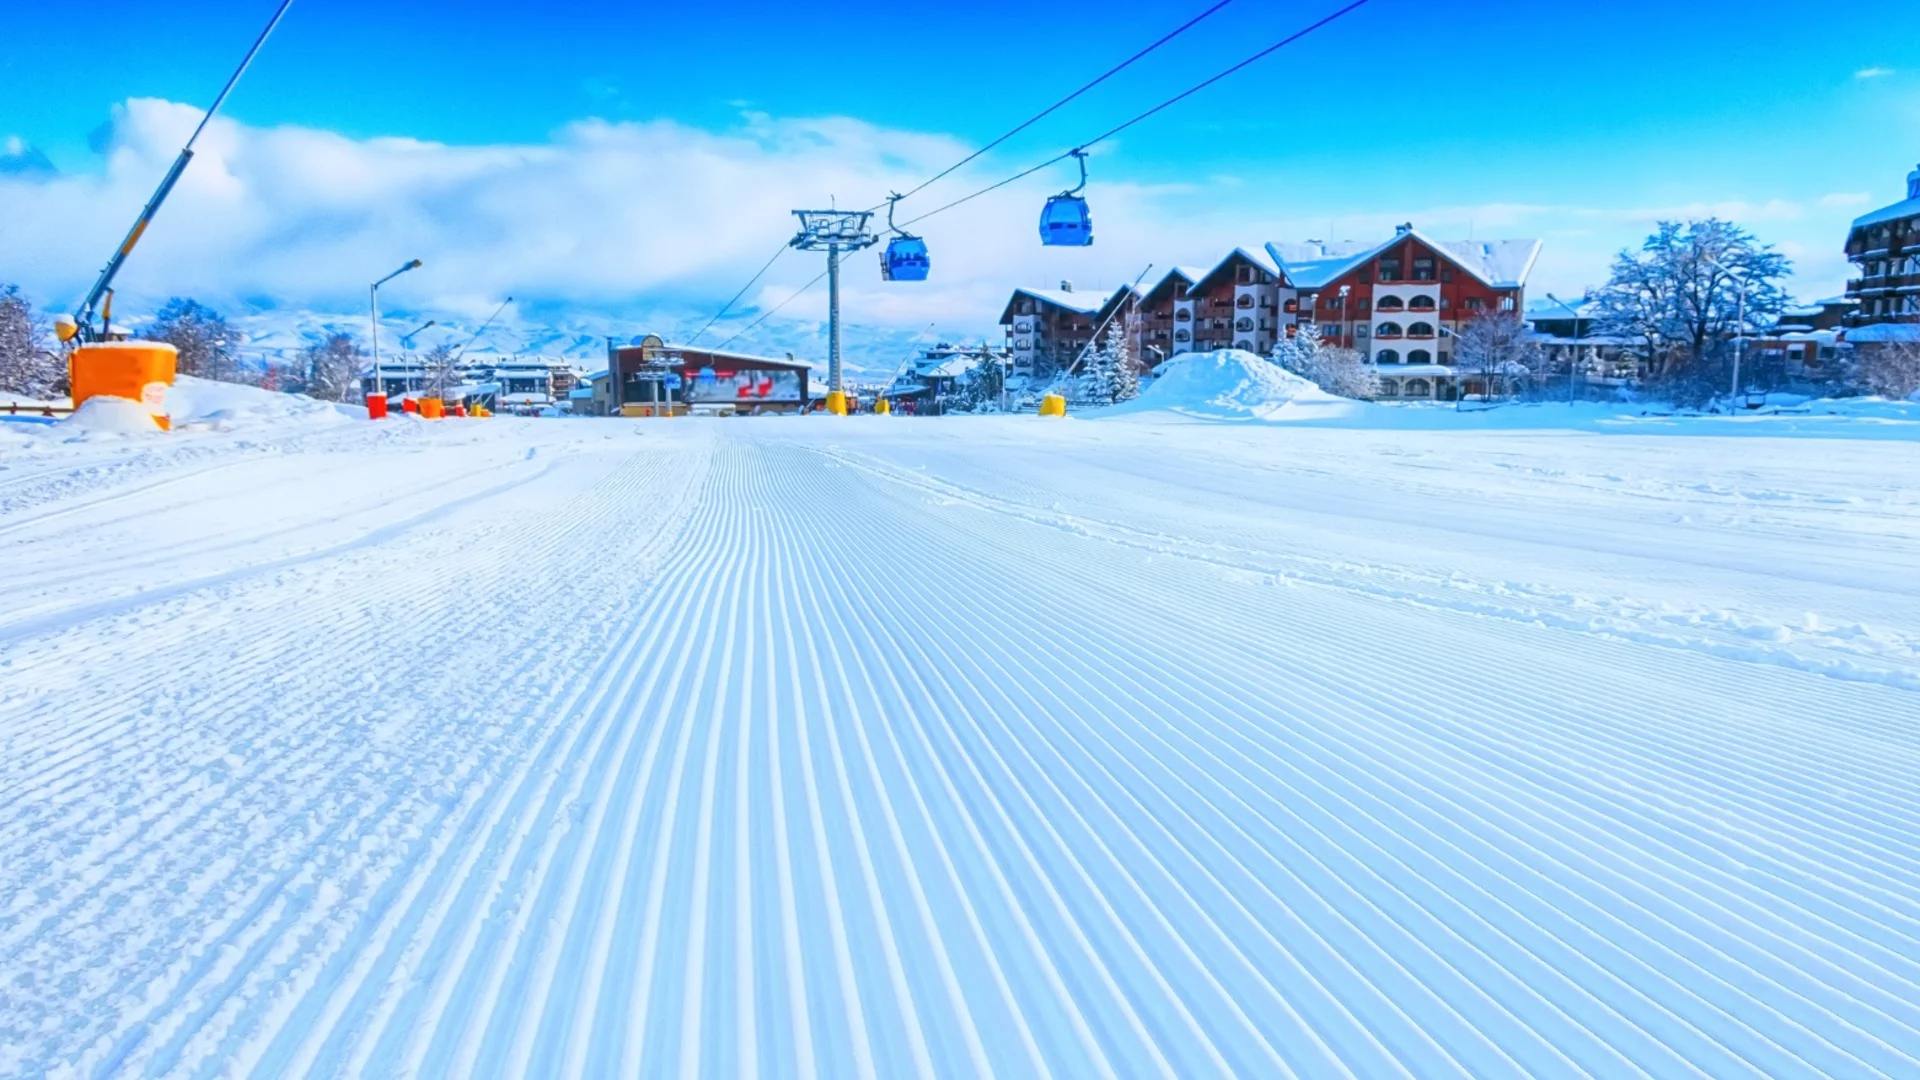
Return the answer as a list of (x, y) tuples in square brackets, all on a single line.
[(1506, 303), (1243, 324), (1423, 269), (1389, 388), (1291, 306), (1244, 300), (1420, 303), (1419, 356), (1182, 315), (1474, 303), (1360, 331), (1390, 269), (1420, 329), (1389, 303), (1246, 274), (1243, 345), (1386, 356), (1387, 330), (1419, 388)]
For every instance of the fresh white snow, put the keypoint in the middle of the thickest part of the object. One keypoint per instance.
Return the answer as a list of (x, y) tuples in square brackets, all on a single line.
[(1372, 742)]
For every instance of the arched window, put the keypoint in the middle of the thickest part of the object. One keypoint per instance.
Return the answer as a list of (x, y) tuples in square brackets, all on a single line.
[(1245, 323), (1244, 300), (1182, 315), (1420, 329), (1419, 388), (1387, 329), (1389, 388), (1293, 306), (1243, 345), (1419, 356), (1388, 303), (1182, 334), (1386, 356), (1420, 303)]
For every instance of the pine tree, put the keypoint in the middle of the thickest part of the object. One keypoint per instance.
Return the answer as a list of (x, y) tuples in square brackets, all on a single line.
[(1332, 368), (27, 366)]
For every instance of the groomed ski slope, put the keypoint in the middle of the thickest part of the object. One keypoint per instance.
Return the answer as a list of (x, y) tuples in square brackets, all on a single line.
[(891, 748)]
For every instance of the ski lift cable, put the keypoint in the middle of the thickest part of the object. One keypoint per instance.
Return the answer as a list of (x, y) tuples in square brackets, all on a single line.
[(1056, 106), (797, 293), (728, 306), (1175, 99)]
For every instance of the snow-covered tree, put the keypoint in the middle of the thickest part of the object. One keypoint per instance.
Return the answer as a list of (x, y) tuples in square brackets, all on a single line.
[(331, 368), (1332, 368), (1500, 348), (1679, 295), (28, 366), (1108, 375), (440, 375), (208, 346), (1888, 368), (984, 382)]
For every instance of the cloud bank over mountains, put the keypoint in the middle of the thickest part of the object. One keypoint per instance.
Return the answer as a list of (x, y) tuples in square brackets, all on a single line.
[(650, 226)]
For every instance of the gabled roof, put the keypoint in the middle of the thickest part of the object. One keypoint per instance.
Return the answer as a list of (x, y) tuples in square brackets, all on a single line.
[(1188, 274), (1500, 264), (1315, 265), (1081, 303), (1258, 256)]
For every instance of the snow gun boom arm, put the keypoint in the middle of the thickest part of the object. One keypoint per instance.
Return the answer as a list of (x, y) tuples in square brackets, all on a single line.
[(83, 319)]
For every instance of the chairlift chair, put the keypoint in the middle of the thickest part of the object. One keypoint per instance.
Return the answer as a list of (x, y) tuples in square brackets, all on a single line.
[(1065, 221), (905, 258)]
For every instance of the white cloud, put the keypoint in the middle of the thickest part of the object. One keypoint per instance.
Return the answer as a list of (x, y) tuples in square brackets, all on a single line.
[(649, 226), (1845, 199), (1873, 73)]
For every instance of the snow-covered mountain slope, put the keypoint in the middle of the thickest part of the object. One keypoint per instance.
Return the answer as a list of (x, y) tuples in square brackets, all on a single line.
[(890, 747)]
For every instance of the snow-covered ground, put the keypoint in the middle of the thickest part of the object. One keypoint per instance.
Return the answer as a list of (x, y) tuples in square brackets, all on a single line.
[(1333, 742)]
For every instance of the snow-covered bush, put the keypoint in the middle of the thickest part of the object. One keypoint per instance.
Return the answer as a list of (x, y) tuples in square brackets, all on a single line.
[(28, 366), (1332, 368)]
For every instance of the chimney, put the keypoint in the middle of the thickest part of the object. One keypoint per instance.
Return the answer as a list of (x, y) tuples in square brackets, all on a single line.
[(1402, 230), (1065, 285), (1913, 184)]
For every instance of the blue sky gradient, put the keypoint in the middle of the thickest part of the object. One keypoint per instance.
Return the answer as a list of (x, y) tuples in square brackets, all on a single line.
[(1610, 114)]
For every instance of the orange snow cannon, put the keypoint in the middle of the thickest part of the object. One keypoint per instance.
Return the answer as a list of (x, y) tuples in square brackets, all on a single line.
[(140, 371)]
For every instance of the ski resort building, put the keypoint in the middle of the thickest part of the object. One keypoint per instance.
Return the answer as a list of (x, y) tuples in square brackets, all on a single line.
[(653, 377), (1885, 245), (1399, 302), (1047, 328)]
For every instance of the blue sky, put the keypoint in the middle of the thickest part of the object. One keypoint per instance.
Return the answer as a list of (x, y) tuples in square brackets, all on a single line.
[(1578, 123)]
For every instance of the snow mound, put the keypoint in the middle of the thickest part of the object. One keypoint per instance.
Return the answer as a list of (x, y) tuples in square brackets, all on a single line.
[(1232, 385), (223, 406), (111, 416)]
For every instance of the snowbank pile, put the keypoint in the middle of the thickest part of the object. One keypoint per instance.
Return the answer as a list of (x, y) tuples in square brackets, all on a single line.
[(112, 416), (223, 406), (1233, 385)]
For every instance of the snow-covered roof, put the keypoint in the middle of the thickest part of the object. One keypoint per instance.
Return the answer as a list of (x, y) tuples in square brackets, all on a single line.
[(1541, 307), (1423, 371), (1502, 264), (1314, 265), (1085, 303), (1257, 255), (1904, 209), (1882, 332)]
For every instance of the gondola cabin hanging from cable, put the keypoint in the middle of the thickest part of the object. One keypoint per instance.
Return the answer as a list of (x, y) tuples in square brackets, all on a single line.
[(1065, 221), (905, 258)]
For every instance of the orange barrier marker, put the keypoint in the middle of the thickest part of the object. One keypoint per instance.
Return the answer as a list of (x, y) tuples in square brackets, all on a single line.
[(431, 408), (136, 370)]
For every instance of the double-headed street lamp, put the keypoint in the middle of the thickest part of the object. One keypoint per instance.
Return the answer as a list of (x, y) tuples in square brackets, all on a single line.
[(373, 303)]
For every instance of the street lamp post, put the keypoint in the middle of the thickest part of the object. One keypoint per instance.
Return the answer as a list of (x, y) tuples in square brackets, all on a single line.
[(1740, 319), (1574, 360), (1346, 318), (373, 305)]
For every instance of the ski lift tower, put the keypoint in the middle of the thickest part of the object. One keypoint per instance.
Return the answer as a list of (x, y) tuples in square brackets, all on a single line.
[(833, 231)]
